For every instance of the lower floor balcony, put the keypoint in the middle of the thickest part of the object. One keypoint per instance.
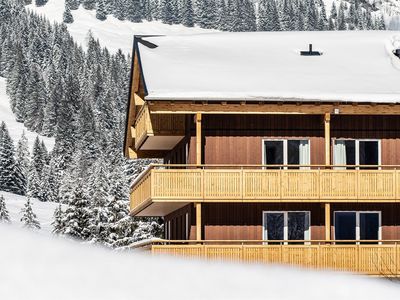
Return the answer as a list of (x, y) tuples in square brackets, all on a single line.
[(375, 258)]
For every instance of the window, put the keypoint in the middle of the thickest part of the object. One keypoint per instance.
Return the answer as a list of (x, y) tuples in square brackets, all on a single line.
[(286, 152), (286, 225), (357, 152), (357, 225)]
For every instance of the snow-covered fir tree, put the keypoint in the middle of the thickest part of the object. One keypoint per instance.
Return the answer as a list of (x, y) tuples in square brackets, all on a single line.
[(4, 214), (58, 220), (29, 219), (67, 15)]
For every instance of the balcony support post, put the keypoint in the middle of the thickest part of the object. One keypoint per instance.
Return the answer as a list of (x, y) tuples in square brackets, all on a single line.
[(327, 122), (198, 139), (198, 221), (327, 221)]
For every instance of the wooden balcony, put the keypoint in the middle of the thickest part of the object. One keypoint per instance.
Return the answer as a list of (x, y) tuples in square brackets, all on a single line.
[(158, 131), (379, 259), (163, 188)]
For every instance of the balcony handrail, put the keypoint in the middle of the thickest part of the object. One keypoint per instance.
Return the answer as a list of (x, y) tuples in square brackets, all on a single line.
[(263, 242), (264, 166)]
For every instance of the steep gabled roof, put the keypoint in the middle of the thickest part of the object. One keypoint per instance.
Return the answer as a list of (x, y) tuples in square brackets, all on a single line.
[(355, 66)]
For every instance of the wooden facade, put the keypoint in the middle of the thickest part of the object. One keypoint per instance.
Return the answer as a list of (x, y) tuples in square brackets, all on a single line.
[(215, 184)]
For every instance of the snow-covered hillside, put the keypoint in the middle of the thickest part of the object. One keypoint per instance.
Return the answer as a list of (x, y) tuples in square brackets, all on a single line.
[(35, 267), (43, 210), (112, 33), (15, 128)]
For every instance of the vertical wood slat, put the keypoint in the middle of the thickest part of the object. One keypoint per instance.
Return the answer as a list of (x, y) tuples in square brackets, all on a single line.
[(377, 260)]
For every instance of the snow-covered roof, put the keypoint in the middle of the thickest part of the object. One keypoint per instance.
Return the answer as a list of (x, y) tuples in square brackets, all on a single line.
[(356, 66)]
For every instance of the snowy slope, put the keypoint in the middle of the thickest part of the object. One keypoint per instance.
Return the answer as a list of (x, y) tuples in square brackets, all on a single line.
[(43, 210), (35, 267), (112, 33), (13, 126)]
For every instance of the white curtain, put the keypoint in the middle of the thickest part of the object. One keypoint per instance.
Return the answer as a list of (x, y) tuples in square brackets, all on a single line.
[(339, 154), (304, 154)]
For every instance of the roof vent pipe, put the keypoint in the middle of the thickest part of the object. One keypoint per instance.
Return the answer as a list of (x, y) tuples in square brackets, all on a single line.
[(310, 52)]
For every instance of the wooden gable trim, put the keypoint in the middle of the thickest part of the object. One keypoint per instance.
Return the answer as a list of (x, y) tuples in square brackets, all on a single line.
[(137, 91)]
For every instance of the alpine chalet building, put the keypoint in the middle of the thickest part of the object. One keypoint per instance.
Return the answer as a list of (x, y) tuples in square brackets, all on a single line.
[(279, 147)]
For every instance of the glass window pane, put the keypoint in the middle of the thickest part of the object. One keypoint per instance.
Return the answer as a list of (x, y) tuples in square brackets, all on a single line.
[(275, 225), (350, 153), (293, 148), (369, 226), (345, 225), (369, 153), (274, 152), (298, 224)]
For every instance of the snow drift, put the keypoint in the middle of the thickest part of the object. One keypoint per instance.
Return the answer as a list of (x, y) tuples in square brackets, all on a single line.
[(38, 267)]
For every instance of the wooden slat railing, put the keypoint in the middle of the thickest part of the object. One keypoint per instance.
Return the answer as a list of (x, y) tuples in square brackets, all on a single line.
[(247, 184), (379, 259)]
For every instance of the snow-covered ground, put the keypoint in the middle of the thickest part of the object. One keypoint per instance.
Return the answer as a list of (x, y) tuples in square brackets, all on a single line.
[(112, 33), (15, 128), (37, 267), (43, 210)]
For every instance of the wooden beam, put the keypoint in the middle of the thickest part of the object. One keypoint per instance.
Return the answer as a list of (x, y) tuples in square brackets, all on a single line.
[(198, 221), (184, 107), (327, 221), (198, 139), (327, 122)]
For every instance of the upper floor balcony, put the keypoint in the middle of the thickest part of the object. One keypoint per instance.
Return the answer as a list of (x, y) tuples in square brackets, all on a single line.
[(162, 189), (158, 131)]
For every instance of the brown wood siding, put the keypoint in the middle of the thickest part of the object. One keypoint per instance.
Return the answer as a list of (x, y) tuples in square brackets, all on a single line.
[(237, 139), (178, 223), (226, 221)]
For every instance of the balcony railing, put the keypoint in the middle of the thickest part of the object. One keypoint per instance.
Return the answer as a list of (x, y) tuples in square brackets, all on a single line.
[(153, 125), (379, 259), (228, 183)]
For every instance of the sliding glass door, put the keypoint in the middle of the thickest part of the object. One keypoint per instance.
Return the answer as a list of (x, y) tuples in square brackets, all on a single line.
[(356, 152), (287, 152), (286, 225), (357, 225)]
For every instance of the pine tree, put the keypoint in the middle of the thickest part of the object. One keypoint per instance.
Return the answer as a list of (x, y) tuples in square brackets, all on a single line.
[(101, 10), (77, 215), (4, 215), (58, 222), (89, 4), (135, 12), (29, 219), (98, 190), (68, 18), (268, 16), (323, 23), (7, 162), (22, 163), (16, 85), (40, 2), (341, 21), (188, 14), (72, 4), (35, 103)]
